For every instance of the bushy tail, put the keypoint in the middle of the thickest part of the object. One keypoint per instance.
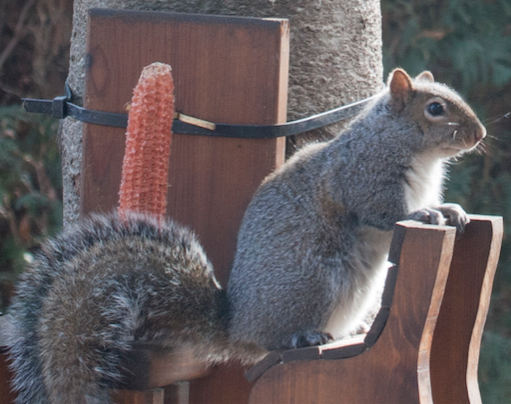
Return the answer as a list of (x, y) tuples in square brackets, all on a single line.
[(24, 353), (26, 332), (94, 289), (76, 369), (82, 362), (25, 310)]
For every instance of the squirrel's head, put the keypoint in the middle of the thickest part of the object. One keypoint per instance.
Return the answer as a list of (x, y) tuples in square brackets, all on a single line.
[(448, 125)]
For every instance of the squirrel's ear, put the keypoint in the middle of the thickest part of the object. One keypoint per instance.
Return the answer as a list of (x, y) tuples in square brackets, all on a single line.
[(401, 88), (426, 76)]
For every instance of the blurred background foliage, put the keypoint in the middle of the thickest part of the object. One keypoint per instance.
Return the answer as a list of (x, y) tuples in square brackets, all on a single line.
[(34, 59), (30, 187), (465, 43)]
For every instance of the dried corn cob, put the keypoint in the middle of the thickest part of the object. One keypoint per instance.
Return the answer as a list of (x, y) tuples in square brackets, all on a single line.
[(145, 165)]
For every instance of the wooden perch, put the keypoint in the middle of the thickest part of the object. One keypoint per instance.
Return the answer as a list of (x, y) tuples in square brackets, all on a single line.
[(428, 347)]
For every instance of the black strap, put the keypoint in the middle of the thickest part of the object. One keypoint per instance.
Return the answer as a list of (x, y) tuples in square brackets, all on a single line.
[(61, 107)]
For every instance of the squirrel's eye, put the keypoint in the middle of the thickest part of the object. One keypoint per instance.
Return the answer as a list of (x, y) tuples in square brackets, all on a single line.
[(435, 109)]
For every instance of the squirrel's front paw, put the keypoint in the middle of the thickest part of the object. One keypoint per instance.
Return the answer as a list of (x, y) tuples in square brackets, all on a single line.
[(302, 339), (455, 215), (450, 214), (428, 216)]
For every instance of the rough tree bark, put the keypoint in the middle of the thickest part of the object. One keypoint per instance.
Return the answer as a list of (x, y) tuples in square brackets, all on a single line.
[(335, 59)]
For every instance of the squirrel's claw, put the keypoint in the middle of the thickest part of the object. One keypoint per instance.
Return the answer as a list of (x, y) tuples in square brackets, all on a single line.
[(450, 214), (428, 216), (455, 216)]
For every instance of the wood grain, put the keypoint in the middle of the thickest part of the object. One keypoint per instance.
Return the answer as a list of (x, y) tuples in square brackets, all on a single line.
[(154, 396), (225, 69), (6, 395), (457, 337), (148, 367)]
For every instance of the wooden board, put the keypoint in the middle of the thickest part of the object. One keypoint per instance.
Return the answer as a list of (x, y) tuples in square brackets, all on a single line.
[(457, 338), (226, 69), (154, 396), (6, 395)]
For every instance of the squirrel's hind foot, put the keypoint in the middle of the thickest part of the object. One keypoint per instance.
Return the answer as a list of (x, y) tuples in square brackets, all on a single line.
[(302, 339)]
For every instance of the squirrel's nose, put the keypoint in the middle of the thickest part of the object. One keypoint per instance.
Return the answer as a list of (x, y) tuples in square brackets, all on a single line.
[(480, 133)]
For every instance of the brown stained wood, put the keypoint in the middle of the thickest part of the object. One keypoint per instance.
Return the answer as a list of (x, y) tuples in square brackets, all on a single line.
[(457, 337), (349, 350), (396, 369), (377, 327), (155, 396), (151, 367), (270, 360), (178, 393), (301, 354), (345, 348), (6, 395), (225, 69)]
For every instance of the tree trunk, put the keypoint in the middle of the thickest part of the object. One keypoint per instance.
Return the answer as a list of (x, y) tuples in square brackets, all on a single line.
[(335, 59)]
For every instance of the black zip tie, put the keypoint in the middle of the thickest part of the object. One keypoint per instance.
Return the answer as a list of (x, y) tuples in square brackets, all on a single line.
[(61, 107)]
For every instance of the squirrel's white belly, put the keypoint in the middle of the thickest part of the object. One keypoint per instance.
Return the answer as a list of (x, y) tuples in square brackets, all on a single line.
[(423, 186), (367, 273), (367, 269)]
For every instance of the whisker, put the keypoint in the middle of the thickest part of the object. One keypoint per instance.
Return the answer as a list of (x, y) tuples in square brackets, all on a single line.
[(481, 149), (489, 147), (505, 116), (452, 124), (454, 134)]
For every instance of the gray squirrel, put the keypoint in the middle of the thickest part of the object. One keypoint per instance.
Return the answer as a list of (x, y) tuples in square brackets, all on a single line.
[(313, 243), (311, 251)]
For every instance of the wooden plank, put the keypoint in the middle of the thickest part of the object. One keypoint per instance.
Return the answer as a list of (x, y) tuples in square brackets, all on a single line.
[(178, 393), (226, 69), (150, 367), (396, 369), (6, 394), (457, 338), (270, 360), (154, 396)]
